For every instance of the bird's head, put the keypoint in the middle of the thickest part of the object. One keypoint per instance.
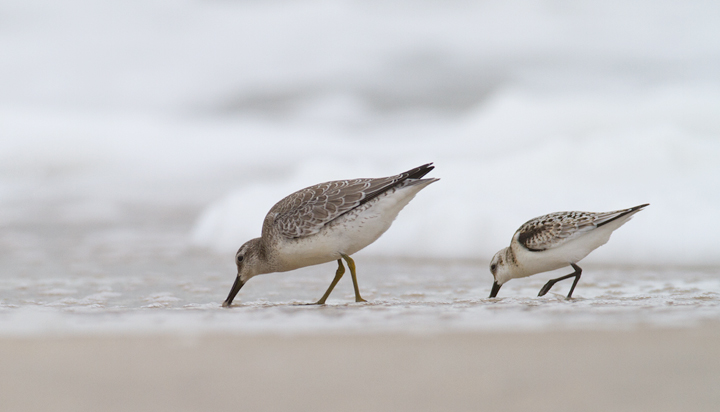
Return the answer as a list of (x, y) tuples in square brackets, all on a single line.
[(248, 260), (500, 270)]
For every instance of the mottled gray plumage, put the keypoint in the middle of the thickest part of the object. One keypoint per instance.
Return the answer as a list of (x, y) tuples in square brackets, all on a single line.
[(554, 229), (306, 211)]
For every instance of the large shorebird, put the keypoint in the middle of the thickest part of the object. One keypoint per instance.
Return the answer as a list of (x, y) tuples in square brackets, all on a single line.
[(326, 222), (554, 241)]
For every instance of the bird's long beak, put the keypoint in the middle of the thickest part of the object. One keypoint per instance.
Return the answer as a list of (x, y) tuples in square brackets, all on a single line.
[(234, 291), (495, 289)]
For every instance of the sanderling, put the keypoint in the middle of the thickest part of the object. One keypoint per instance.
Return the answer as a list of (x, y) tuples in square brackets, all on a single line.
[(326, 222), (554, 241)]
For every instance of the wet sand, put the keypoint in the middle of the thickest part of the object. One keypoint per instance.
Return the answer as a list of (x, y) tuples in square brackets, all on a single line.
[(571, 370)]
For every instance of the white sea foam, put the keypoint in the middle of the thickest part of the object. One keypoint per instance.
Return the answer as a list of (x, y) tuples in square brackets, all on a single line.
[(496, 174), (525, 108)]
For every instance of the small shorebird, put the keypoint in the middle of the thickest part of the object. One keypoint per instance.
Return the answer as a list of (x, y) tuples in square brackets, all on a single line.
[(326, 222), (554, 241)]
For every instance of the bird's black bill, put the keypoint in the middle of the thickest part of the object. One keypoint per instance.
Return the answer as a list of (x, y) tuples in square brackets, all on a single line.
[(495, 289), (234, 291)]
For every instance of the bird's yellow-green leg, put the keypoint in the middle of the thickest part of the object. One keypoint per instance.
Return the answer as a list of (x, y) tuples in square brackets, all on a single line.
[(338, 274), (351, 265)]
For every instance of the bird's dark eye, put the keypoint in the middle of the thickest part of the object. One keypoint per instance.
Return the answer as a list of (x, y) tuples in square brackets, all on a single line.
[(493, 267), (240, 259)]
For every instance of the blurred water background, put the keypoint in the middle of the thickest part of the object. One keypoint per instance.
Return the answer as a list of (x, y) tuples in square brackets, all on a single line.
[(142, 142)]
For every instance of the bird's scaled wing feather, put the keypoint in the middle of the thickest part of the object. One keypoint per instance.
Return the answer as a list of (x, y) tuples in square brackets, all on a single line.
[(553, 230), (306, 211)]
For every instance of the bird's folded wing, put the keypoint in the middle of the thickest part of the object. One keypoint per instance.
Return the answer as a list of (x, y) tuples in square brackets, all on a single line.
[(553, 230), (306, 211)]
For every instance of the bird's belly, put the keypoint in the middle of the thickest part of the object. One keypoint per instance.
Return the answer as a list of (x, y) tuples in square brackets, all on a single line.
[(532, 262), (347, 236), (565, 254), (307, 251)]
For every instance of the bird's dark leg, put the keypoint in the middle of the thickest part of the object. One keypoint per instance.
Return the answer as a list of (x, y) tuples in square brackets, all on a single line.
[(351, 265), (338, 274), (578, 271), (577, 277)]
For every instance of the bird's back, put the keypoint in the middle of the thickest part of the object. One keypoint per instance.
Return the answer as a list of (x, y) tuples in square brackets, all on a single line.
[(307, 211)]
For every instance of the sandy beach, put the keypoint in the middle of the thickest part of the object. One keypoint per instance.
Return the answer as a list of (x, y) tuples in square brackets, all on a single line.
[(577, 370)]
